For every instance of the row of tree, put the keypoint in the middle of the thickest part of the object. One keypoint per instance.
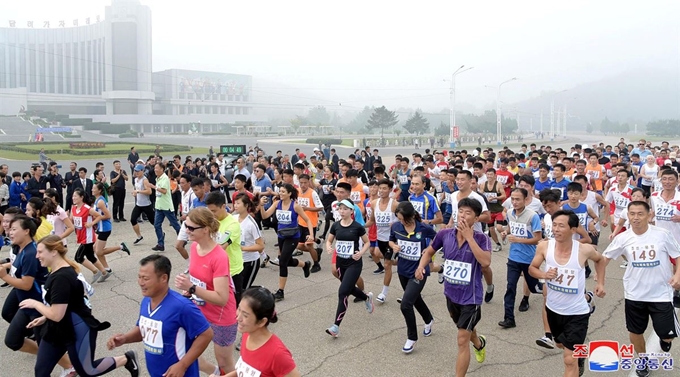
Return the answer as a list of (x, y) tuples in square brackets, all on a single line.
[(666, 127)]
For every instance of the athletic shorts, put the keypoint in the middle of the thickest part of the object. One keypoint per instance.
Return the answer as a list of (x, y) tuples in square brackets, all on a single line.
[(374, 243), (103, 236), (304, 232), (85, 251), (183, 235), (224, 336), (465, 317), (496, 217), (568, 330), (664, 321), (594, 239), (385, 249)]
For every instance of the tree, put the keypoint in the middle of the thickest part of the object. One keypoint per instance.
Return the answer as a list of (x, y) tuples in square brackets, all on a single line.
[(666, 127), (297, 122), (382, 118), (360, 121), (416, 124), (319, 117), (442, 130), (590, 128)]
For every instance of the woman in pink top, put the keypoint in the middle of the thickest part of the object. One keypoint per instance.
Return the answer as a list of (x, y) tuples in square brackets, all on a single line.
[(210, 287)]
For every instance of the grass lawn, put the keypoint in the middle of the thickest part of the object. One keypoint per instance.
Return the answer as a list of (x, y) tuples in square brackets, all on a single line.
[(124, 148)]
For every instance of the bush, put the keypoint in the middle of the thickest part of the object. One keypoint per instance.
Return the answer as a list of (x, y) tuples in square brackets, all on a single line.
[(59, 148), (71, 136), (323, 140), (127, 135), (113, 129)]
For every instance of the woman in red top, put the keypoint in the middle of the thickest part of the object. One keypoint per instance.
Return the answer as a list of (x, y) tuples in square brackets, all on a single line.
[(242, 186), (210, 287), (85, 220), (262, 353)]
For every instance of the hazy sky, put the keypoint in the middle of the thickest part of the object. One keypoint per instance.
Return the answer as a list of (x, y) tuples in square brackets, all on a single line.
[(399, 53)]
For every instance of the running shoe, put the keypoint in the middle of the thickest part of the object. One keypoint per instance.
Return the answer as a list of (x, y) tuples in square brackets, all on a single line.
[(398, 300), (498, 247), (265, 261), (131, 364), (319, 252), (70, 372), (546, 342), (665, 346), (489, 295), (315, 268), (297, 253), (96, 277), (122, 219), (369, 303), (590, 295), (440, 277), (480, 354), (408, 347), (274, 261), (306, 268), (278, 295), (333, 331), (104, 277), (507, 323), (138, 240), (379, 271), (624, 264), (524, 305), (124, 247), (381, 298), (427, 331), (158, 248), (358, 299)]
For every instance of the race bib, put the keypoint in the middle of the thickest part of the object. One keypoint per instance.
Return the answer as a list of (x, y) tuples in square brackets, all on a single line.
[(284, 217), (419, 206), (454, 216), (326, 189), (582, 218), (152, 335), (78, 222), (664, 212), (548, 231), (245, 370), (644, 256), (198, 301), (491, 196), (565, 282), (158, 194), (519, 229), (409, 250), (621, 201), (13, 272), (383, 219), (303, 202), (344, 249), (355, 196), (257, 189), (214, 182), (51, 221), (502, 179), (595, 174), (456, 272), (403, 179)]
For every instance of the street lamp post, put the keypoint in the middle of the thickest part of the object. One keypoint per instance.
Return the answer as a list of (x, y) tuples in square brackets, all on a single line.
[(452, 115), (499, 129)]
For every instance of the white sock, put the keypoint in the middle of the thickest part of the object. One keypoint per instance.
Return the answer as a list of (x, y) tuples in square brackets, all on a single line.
[(217, 371), (489, 288), (384, 290)]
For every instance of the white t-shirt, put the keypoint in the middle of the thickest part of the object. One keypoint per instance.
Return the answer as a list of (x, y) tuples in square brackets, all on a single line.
[(663, 211), (453, 198), (57, 222), (535, 205), (649, 268), (249, 234)]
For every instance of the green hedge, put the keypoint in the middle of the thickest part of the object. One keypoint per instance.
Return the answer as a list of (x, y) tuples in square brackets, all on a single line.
[(71, 136), (127, 135), (58, 149), (323, 140)]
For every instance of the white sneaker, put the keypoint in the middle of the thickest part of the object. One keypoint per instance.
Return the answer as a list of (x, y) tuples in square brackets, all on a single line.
[(70, 372), (427, 331), (408, 347), (497, 248), (624, 264), (546, 342), (381, 298)]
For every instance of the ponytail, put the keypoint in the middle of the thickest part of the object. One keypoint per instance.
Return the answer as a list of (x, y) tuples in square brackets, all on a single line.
[(54, 243)]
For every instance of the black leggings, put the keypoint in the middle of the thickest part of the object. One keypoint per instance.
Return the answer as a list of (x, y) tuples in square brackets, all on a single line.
[(85, 251), (327, 221), (81, 353), (411, 298), (137, 211), (286, 248), (238, 286), (348, 286), (249, 273), (18, 319)]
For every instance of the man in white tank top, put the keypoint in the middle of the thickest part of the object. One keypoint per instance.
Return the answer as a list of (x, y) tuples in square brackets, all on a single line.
[(382, 214), (566, 306)]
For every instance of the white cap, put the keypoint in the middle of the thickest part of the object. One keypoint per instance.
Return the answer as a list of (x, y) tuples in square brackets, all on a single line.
[(668, 162)]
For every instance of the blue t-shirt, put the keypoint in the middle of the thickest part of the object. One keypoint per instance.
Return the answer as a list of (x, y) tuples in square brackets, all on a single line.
[(26, 264), (412, 246), (561, 185), (523, 226), (425, 205), (169, 331), (581, 211), (540, 186), (198, 203)]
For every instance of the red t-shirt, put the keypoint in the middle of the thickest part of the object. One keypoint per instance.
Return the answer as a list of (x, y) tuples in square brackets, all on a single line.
[(507, 179), (202, 271), (272, 359), (80, 217)]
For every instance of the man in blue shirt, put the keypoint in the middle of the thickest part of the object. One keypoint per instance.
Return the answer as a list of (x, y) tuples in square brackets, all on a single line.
[(559, 182), (424, 203), (642, 150), (523, 231), (169, 325)]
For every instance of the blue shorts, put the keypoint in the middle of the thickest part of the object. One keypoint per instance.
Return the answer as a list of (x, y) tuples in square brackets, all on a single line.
[(374, 243), (224, 336)]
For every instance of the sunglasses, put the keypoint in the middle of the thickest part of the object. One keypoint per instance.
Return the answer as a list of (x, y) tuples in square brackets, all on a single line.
[(193, 228)]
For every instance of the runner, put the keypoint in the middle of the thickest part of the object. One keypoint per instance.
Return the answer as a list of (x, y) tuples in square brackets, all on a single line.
[(523, 232), (408, 238), (84, 219), (466, 251), (424, 203), (649, 281), (309, 200), (101, 205), (287, 213), (559, 182), (383, 217), (620, 196), (67, 322), (252, 242), (61, 223), (172, 328), (327, 186), (142, 193), (262, 353), (163, 206), (210, 286), (566, 304), (346, 233), (495, 195), (195, 200)]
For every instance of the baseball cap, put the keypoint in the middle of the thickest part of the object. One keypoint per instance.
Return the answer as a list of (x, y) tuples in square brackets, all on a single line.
[(347, 204), (139, 167), (316, 149), (668, 162), (302, 155)]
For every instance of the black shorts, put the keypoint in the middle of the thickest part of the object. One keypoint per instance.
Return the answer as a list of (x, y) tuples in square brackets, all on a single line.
[(594, 239), (85, 251), (465, 317), (304, 232), (664, 321), (103, 236), (385, 250), (568, 330)]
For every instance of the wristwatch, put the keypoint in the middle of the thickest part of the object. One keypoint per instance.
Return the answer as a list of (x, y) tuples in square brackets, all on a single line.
[(192, 290)]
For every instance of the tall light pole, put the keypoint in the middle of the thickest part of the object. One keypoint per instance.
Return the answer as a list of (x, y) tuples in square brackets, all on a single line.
[(452, 115), (499, 129), (552, 115)]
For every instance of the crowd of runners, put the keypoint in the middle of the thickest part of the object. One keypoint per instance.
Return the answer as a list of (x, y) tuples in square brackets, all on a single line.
[(440, 214)]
